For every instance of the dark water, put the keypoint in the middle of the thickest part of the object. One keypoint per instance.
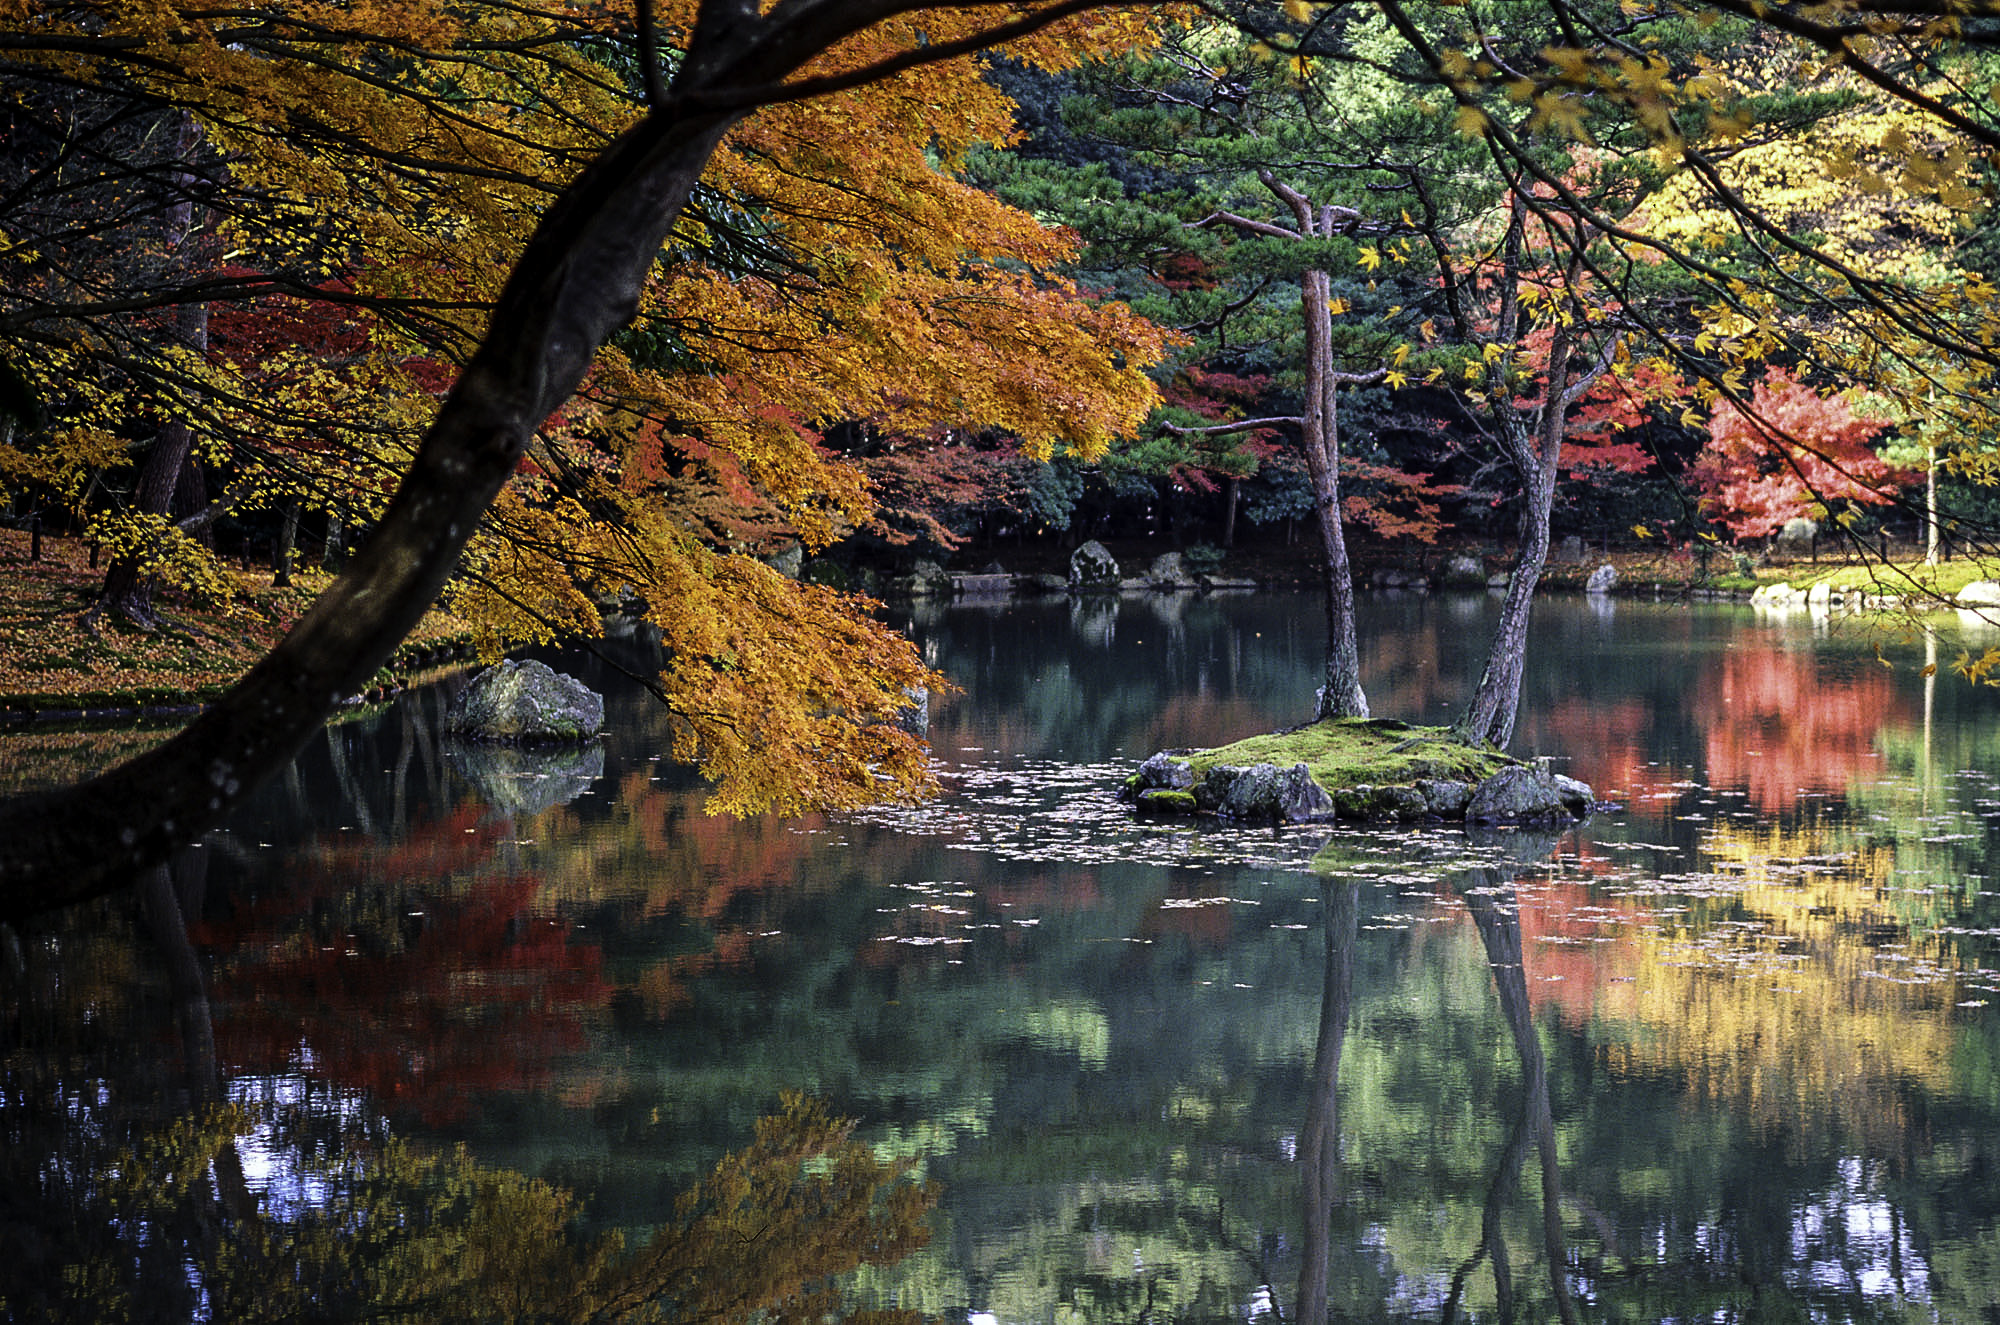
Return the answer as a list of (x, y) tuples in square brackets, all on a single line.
[(1732, 1054)]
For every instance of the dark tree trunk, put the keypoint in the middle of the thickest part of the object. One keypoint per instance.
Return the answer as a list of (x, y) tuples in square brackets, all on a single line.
[(288, 542), (1498, 917), (1319, 1142), (1496, 703), (128, 591)]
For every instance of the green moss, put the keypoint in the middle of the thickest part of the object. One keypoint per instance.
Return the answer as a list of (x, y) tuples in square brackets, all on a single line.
[(1351, 752), (1163, 801)]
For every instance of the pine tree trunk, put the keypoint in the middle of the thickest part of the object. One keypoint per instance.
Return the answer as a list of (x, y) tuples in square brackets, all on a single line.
[(1341, 696)]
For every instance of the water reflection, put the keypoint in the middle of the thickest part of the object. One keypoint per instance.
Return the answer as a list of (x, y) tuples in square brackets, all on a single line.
[(1729, 1054)]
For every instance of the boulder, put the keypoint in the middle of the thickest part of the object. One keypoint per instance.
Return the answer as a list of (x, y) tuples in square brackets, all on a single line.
[(1465, 571), (1526, 795), (1263, 793), (930, 580), (1980, 593), (1163, 802), (517, 780), (526, 702), (915, 716), (1570, 549), (788, 562), (1092, 567), (1445, 798), (1162, 772), (1602, 580), (1169, 571)]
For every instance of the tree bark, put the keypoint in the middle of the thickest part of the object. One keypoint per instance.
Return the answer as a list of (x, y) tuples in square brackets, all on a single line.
[(1319, 1142), (128, 591), (1341, 696), (578, 280)]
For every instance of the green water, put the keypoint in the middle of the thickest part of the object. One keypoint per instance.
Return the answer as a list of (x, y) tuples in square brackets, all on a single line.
[(1731, 1053)]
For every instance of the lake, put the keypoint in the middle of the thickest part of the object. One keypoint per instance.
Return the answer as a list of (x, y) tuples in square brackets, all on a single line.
[(1728, 1053)]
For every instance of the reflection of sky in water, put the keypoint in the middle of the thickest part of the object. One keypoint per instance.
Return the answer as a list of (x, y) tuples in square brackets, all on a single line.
[(1853, 1240), (274, 1168)]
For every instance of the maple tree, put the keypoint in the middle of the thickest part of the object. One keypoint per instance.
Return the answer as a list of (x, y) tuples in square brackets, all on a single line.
[(828, 268), (1790, 452)]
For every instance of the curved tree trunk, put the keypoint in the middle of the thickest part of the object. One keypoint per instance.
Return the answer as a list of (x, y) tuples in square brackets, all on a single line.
[(1496, 703)]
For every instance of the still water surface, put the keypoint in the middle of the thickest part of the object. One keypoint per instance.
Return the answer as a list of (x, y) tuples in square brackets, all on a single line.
[(1730, 1054)]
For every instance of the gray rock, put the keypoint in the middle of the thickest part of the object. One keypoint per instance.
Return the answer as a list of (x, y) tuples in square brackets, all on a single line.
[(1577, 797), (1570, 549), (1302, 800), (1523, 795), (1165, 771), (930, 580), (517, 780), (1602, 580), (1263, 793), (1980, 593), (1465, 569), (528, 702), (788, 562), (1168, 571), (1445, 798), (915, 716), (1093, 567)]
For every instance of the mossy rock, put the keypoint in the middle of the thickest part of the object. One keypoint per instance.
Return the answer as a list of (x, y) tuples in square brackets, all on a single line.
[(1355, 752), (1165, 803)]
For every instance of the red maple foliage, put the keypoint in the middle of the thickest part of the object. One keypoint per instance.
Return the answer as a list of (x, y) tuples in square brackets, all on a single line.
[(1792, 453)]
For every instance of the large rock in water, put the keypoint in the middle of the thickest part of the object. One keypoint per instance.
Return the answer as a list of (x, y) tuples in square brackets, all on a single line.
[(1093, 567), (1527, 796), (529, 702), (1262, 793)]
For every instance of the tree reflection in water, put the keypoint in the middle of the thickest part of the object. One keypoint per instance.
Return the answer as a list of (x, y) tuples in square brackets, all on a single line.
[(264, 1200)]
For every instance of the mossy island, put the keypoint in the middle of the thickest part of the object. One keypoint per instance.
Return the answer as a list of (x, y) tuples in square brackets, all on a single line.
[(1367, 770)]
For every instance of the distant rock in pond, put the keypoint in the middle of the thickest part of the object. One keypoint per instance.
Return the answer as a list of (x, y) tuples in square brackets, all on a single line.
[(525, 702), (1169, 571), (1093, 567), (1602, 580), (524, 780)]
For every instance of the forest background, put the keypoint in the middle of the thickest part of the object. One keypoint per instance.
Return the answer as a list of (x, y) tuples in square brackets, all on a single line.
[(328, 278)]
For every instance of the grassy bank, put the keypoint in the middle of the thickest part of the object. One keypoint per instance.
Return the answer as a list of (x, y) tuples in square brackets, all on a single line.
[(52, 661)]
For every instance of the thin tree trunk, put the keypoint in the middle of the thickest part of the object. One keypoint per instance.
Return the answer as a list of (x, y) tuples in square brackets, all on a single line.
[(1500, 933), (128, 591), (1319, 1143), (1496, 703), (1232, 494), (288, 542)]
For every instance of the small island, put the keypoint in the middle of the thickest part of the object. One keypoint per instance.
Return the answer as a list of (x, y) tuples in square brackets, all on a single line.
[(1356, 769)]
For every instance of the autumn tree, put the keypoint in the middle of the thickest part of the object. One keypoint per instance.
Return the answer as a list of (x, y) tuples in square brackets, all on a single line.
[(1790, 453), (923, 301)]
